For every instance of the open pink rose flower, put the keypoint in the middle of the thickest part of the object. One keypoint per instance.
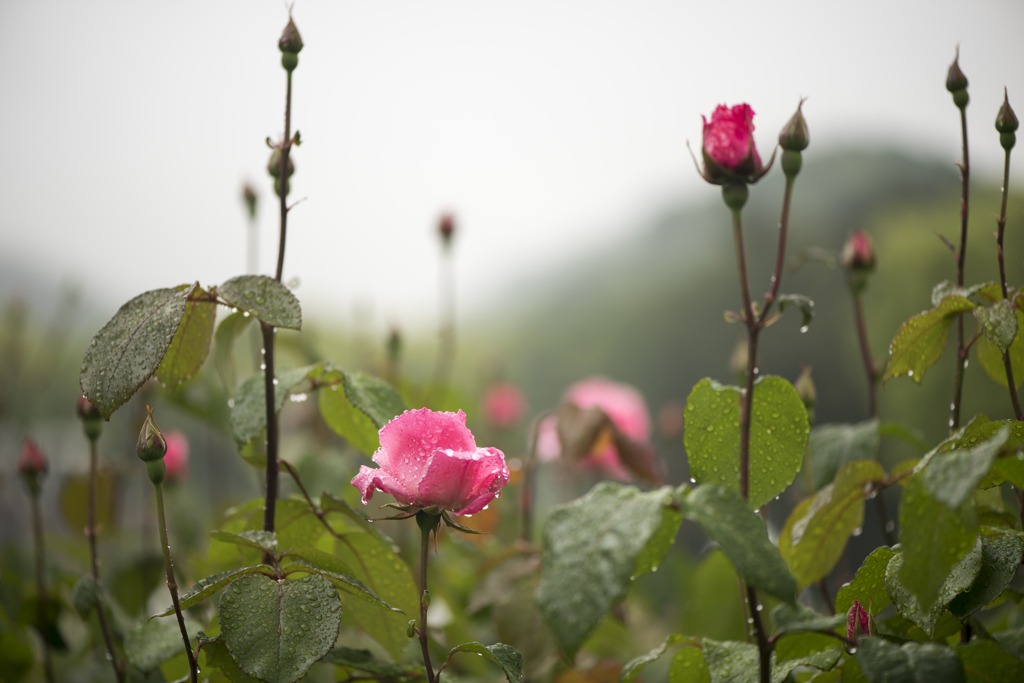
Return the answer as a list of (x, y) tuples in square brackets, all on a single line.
[(623, 405), (428, 458)]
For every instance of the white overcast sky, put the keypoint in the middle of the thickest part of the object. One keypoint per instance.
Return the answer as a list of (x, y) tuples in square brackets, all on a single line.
[(548, 127)]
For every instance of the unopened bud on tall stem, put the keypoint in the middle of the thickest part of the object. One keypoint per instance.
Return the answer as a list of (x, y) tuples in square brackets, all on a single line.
[(1007, 124), (290, 45), (151, 448), (92, 420), (32, 465), (956, 83)]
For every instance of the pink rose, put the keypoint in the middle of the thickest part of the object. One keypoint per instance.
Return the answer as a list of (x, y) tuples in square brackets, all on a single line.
[(858, 252), (504, 405), (430, 459), (31, 461), (623, 405), (728, 150), (176, 457), (857, 622)]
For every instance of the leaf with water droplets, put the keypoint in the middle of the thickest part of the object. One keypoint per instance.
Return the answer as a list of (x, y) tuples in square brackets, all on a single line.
[(228, 331), (984, 661), (153, 642), (805, 305), (217, 656), (1000, 558), (792, 618), (778, 436), (85, 595), (951, 477), (263, 297), (356, 405), (814, 536), (999, 323), (249, 414), (363, 660), (688, 666), (343, 581), (258, 539), (129, 348), (990, 356), (921, 340), (634, 666), (907, 604), (832, 446), (868, 585), (204, 588), (191, 342), (884, 662), (728, 521), (275, 629), (593, 549), (505, 656)]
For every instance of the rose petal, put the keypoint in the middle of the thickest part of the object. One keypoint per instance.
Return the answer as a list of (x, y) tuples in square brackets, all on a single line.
[(370, 479), (454, 479), (407, 442)]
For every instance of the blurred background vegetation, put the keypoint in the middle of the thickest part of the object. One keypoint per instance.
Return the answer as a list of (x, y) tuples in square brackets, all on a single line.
[(647, 311)]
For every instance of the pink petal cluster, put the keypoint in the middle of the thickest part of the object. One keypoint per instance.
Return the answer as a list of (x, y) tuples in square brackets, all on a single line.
[(858, 252), (31, 461), (623, 404), (429, 458), (504, 404), (857, 622), (729, 137), (176, 457)]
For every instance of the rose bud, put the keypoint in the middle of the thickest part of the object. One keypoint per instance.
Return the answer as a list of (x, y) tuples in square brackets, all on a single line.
[(274, 165), (250, 197), (730, 156), (794, 139), (31, 464), (151, 445), (290, 45), (956, 83), (176, 458), (858, 622), (446, 226), (430, 459), (504, 405), (858, 259), (92, 420), (1006, 124)]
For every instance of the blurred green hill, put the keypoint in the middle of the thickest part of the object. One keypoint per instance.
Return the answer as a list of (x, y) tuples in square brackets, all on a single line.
[(649, 311)]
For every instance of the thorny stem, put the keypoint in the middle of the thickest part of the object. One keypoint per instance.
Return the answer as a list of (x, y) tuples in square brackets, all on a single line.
[(763, 646), (780, 258), (172, 585), (529, 468), (286, 148), (1002, 282), (43, 595), (91, 533), (961, 351), (424, 552), (269, 507)]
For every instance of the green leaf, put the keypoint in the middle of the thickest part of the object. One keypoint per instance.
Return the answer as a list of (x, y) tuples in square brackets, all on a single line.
[(217, 656), (373, 559), (505, 656), (999, 323), (985, 662), (805, 305), (741, 533), (295, 524), (814, 536), (868, 585), (204, 588), (1012, 641), (921, 340), (224, 347), (260, 540), (276, 630), (950, 478), (634, 666), (263, 297), (128, 349), (778, 436), (823, 660), (895, 430), (357, 406), (363, 660), (16, 655), (85, 595), (801, 644), (934, 539), (688, 666), (910, 607), (948, 288), (732, 662), (884, 662), (593, 548), (790, 618), (190, 344), (342, 581), (832, 446), (991, 357), (1000, 558), (249, 414), (153, 642)]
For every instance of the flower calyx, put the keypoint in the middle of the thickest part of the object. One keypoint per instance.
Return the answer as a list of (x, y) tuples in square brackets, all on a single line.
[(290, 45), (794, 139)]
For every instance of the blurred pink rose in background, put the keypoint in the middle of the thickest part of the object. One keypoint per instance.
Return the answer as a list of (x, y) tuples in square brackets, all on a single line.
[(504, 404), (176, 458), (429, 458), (623, 405)]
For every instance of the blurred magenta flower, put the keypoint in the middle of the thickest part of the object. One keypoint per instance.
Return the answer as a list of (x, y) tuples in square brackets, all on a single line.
[(428, 459), (176, 458), (622, 404), (858, 252), (31, 461), (504, 404)]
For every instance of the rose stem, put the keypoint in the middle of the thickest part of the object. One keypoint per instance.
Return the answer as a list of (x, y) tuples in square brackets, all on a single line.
[(872, 374), (961, 350), (446, 347), (172, 585), (746, 404), (425, 527), (43, 594), (91, 533), (529, 467), (270, 502), (1002, 282)]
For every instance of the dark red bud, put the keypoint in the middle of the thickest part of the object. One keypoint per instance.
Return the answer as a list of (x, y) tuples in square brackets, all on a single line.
[(1006, 120), (858, 253), (446, 226), (32, 461), (955, 79), (858, 623), (291, 41)]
